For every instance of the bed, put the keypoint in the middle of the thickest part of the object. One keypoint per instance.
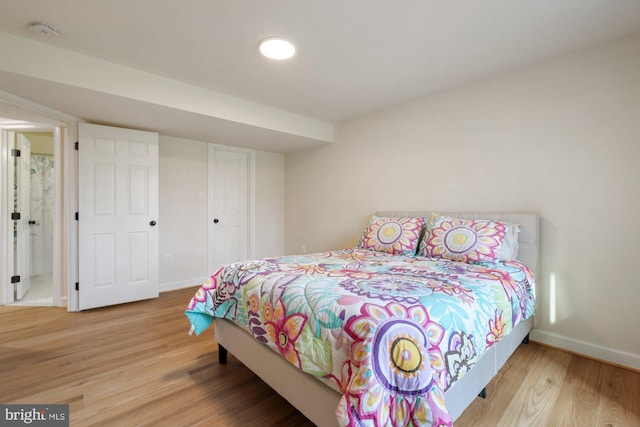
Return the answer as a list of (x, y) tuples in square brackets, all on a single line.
[(389, 332)]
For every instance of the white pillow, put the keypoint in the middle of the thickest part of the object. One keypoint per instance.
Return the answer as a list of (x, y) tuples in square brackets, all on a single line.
[(510, 246)]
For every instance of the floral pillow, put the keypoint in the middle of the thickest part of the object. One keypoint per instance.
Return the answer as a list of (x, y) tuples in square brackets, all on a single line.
[(392, 235), (463, 240)]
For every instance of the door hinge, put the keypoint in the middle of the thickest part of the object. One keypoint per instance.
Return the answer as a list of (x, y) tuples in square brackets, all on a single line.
[(15, 216), (76, 145), (15, 279), (15, 152), (77, 216), (77, 286)]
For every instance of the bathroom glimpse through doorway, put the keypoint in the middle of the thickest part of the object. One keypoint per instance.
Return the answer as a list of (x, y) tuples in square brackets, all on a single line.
[(41, 195), (32, 196)]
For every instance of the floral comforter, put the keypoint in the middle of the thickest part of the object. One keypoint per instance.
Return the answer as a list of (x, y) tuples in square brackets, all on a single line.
[(392, 332)]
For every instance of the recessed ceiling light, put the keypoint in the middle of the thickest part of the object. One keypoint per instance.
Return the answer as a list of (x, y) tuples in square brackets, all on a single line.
[(277, 48)]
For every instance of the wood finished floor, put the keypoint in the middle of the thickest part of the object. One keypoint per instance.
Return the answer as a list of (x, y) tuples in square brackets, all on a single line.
[(135, 365)]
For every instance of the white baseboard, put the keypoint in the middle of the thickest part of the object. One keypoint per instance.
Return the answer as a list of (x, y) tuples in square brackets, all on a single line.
[(616, 357), (174, 286)]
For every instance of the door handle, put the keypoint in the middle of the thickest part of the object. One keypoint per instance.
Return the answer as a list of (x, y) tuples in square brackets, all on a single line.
[(152, 223), (32, 222), (215, 221)]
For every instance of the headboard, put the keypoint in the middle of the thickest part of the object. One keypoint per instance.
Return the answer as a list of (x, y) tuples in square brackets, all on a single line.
[(528, 239)]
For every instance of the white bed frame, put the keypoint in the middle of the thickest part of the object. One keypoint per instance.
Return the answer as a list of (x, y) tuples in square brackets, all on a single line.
[(318, 401)]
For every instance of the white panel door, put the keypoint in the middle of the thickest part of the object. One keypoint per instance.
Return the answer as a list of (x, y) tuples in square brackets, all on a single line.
[(229, 195), (118, 214), (23, 206)]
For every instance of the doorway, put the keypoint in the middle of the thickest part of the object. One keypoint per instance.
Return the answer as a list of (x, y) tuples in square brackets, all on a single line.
[(30, 191), (231, 205)]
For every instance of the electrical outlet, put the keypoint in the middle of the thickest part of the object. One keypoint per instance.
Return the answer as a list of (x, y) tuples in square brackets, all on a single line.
[(303, 248), (168, 258)]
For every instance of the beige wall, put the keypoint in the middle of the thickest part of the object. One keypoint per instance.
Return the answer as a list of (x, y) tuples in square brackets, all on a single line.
[(269, 204), (183, 216), (559, 138), (41, 142)]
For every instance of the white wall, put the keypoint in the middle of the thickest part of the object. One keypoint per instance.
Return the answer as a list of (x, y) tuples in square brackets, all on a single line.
[(183, 216), (269, 204), (559, 138)]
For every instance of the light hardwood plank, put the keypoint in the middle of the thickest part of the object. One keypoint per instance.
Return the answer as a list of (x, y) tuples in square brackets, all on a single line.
[(619, 403), (131, 365), (548, 387), (135, 365)]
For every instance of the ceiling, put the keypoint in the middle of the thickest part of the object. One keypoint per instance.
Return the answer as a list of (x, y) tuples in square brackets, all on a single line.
[(353, 57)]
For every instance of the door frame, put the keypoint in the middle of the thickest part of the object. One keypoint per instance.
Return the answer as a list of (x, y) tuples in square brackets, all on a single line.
[(6, 225), (250, 199), (60, 245), (65, 178)]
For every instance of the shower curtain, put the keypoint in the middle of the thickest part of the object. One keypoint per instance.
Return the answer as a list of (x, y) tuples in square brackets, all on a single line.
[(41, 214)]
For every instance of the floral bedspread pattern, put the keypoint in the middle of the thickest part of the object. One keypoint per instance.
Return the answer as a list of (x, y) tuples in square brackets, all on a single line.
[(392, 332)]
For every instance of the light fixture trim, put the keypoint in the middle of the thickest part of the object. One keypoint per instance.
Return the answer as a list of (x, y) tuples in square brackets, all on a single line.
[(43, 29), (277, 48)]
